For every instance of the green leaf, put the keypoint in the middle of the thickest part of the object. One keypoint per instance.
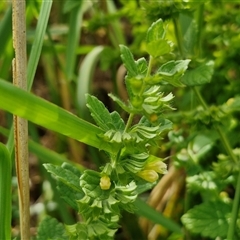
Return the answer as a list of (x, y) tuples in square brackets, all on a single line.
[(48, 115), (128, 61), (75, 23), (200, 75), (65, 175), (199, 146), (5, 193), (172, 71), (85, 75), (5, 29), (190, 33), (205, 181), (69, 195), (117, 121), (67, 178), (120, 103), (99, 112), (142, 66), (210, 219), (38, 41), (69, 5), (226, 164), (104, 119), (144, 210), (51, 229), (159, 47), (156, 31)]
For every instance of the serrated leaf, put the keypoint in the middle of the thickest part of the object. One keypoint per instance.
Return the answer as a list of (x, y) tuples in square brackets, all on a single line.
[(172, 67), (117, 121), (172, 71), (99, 112), (65, 176), (142, 66), (200, 145), (120, 103), (200, 75), (69, 195), (51, 229), (128, 61), (210, 219), (156, 31), (205, 181), (159, 47), (102, 117)]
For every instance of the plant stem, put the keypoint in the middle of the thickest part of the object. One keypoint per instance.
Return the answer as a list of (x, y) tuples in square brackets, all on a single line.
[(200, 27), (149, 66), (178, 36), (129, 122), (225, 143), (235, 210), (20, 124), (200, 98), (221, 134)]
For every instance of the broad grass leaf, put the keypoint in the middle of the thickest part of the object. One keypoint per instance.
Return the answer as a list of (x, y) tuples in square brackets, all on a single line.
[(5, 192), (50, 229), (200, 75), (85, 76), (144, 210), (209, 219)]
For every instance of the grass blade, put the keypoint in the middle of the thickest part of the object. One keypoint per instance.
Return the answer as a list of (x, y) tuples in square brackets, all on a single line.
[(73, 38), (48, 115), (144, 210), (5, 193), (48, 156), (5, 29), (38, 41), (85, 76)]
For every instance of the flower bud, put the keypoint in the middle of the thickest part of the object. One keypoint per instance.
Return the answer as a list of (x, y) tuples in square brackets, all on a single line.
[(148, 175), (153, 117), (157, 166), (105, 182)]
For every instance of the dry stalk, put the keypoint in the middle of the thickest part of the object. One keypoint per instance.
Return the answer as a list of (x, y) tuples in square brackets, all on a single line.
[(171, 209), (21, 125), (159, 194)]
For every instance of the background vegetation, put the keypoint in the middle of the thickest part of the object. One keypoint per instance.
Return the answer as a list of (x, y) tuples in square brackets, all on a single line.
[(80, 54)]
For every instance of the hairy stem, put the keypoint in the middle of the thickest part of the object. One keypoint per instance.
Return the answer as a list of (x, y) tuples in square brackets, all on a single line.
[(20, 124)]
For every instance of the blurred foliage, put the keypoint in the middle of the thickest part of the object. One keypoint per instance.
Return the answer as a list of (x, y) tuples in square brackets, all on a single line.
[(207, 32)]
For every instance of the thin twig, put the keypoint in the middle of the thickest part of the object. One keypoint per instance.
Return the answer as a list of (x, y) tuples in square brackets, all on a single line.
[(21, 125)]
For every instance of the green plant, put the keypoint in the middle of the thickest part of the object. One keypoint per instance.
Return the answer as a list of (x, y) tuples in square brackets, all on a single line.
[(101, 196), (199, 196)]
